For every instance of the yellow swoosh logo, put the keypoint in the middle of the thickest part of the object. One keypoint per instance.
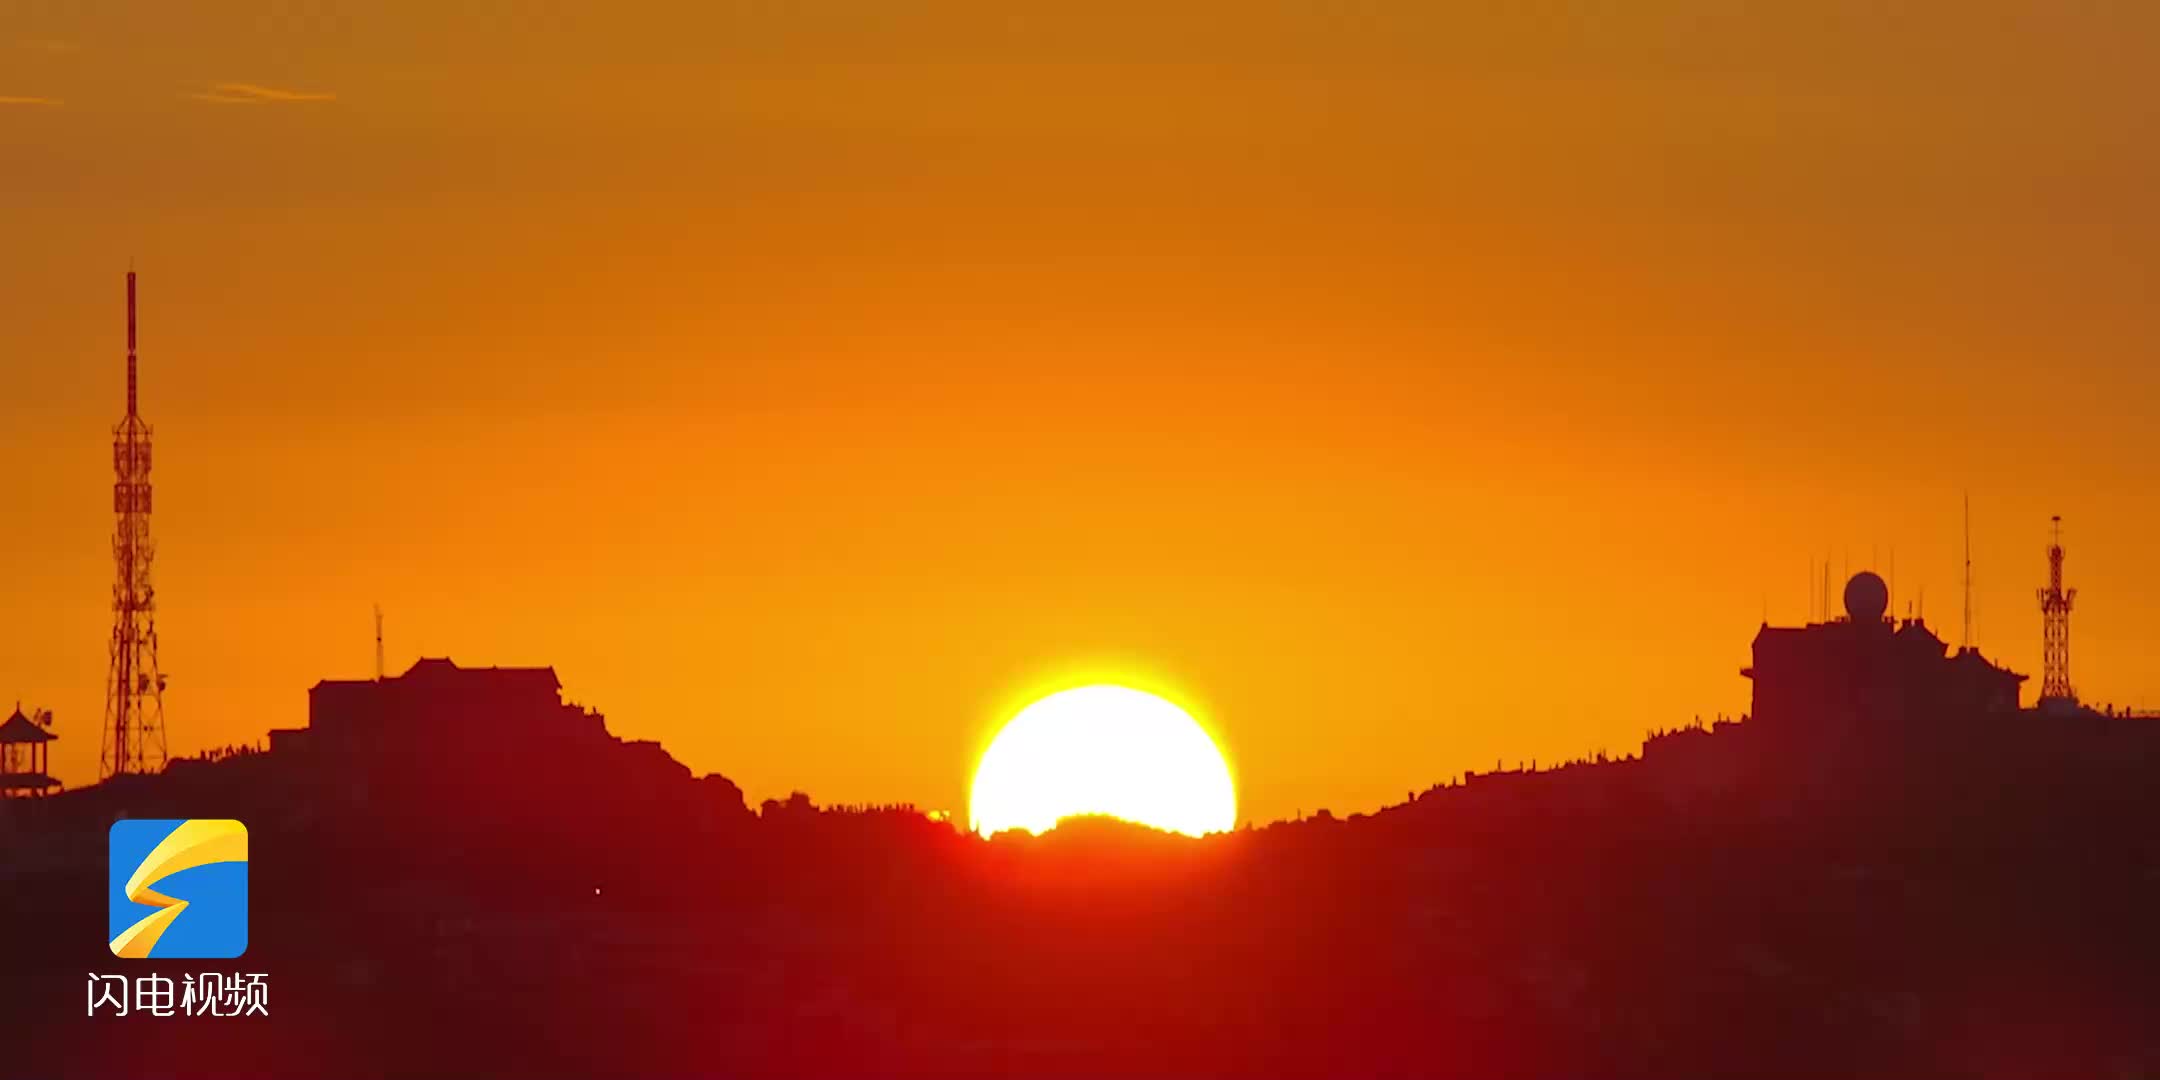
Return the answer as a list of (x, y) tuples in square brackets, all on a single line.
[(195, 843)]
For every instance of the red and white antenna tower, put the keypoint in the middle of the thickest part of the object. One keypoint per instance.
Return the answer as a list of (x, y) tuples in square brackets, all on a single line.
[(134, 689), (2055, 604)]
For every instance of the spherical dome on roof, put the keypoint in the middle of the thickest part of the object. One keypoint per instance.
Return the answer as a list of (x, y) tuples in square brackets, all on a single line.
[(1866, 597)]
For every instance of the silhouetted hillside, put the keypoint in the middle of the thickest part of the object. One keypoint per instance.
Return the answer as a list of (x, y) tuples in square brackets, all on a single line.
[(583, 905)]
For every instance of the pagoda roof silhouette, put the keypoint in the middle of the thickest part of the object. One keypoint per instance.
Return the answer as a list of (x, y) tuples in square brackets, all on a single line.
[(22, 729)]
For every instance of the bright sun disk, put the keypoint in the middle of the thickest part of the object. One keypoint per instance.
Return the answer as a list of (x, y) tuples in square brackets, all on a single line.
[(1102, 750)]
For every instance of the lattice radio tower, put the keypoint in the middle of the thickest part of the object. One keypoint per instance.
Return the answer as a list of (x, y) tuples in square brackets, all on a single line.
[(134, 689), (2055, 604)]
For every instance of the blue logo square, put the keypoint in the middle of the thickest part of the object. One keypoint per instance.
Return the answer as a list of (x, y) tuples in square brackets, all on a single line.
[(177, 889)]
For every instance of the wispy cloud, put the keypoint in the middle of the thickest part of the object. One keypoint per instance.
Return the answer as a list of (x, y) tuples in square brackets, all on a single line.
[(30, 101), (49, 45), (237, 93)]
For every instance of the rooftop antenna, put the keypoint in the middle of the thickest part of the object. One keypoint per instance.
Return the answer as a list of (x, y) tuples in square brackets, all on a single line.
[(1965, 639), (378, 643), (1826, 588)]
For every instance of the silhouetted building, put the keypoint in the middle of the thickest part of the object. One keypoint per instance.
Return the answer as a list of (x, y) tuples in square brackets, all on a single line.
[(1869, 670), (25, 756), (440, 709)]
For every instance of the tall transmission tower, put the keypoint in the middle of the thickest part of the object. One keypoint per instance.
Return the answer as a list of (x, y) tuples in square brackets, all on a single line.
[(2055, 604), (134, 740)]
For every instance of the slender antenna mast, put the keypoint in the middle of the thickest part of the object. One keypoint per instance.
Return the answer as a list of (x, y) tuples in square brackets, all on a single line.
[(378, 644), (131, 340), (1965, 639)]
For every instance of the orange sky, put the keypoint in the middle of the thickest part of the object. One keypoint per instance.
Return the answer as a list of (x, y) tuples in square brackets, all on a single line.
[(1404, 388)]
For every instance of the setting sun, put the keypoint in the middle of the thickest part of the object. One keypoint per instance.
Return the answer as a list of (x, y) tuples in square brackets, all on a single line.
[(1103, 750)]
